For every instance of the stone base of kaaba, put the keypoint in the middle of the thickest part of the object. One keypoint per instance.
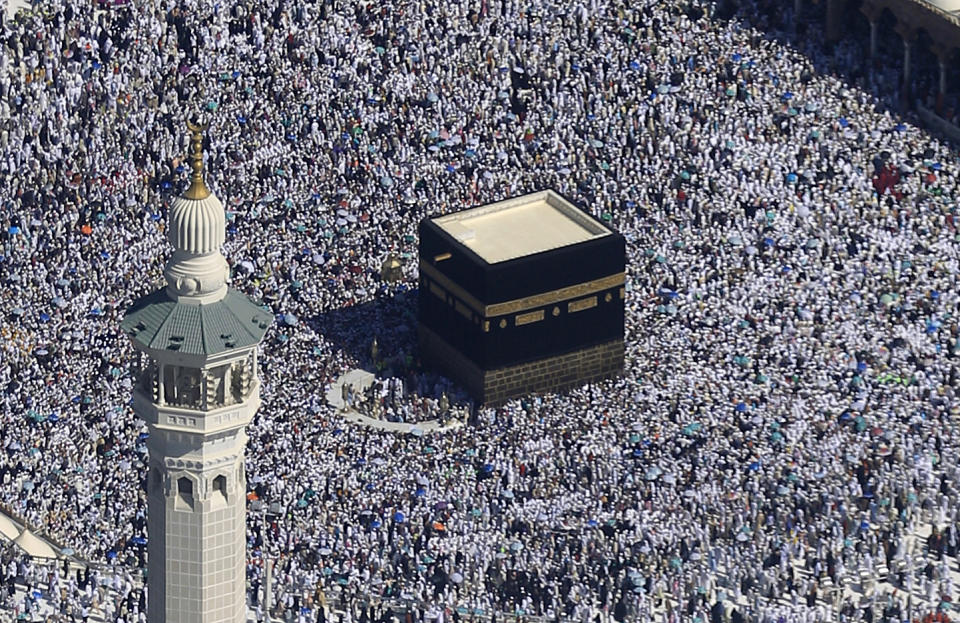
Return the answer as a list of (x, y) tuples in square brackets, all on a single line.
[(550, 374)]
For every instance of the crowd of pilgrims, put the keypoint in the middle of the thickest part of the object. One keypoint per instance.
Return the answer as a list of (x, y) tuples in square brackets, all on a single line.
[(786, 420), (418, 399)]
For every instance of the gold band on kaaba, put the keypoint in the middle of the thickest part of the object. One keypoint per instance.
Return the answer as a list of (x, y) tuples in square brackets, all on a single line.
[(525, 303)]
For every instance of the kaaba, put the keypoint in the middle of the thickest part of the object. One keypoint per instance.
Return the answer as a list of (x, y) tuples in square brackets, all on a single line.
[(521, 296)]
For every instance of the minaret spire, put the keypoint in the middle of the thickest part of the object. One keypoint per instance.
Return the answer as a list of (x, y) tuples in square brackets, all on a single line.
[(198, 189), (197, 272)]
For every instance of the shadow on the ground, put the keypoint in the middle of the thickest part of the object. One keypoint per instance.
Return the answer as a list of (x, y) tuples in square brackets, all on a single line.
[(391, 318)]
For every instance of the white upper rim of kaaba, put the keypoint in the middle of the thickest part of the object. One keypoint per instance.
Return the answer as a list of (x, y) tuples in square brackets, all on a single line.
[(592, 228)]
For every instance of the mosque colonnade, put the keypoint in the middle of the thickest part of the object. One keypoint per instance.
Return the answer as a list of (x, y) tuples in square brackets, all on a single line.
[(939, 19)]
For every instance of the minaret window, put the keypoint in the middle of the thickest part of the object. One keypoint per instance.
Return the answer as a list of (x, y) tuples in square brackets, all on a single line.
[(188, 388), (182, 387), (184, 493), (222, 382), (220, 486), (235, 372), (236, 380), (169, 382)]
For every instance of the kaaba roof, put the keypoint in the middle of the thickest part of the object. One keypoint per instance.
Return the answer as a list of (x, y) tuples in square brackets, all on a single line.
[(521, 226), (158, 322)]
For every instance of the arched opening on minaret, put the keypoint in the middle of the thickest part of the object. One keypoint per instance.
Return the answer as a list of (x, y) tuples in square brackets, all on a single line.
[(220, 486), (184, 493), (188, 387), (182, 386), (238, 376)]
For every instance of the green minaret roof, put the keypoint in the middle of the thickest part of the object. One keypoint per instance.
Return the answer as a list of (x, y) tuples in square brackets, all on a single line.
[(160, 323)]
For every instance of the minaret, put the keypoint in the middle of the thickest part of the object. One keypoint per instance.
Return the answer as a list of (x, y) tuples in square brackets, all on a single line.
[(197, 393)]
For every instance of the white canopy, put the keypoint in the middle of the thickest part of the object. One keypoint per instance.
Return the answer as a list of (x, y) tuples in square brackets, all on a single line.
[(34, 545)]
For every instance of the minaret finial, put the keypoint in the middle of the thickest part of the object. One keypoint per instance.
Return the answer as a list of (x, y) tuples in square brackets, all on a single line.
[(197, 190)]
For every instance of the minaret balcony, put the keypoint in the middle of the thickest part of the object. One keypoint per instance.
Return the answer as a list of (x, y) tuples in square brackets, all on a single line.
[(199, 389), (195, 420)]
